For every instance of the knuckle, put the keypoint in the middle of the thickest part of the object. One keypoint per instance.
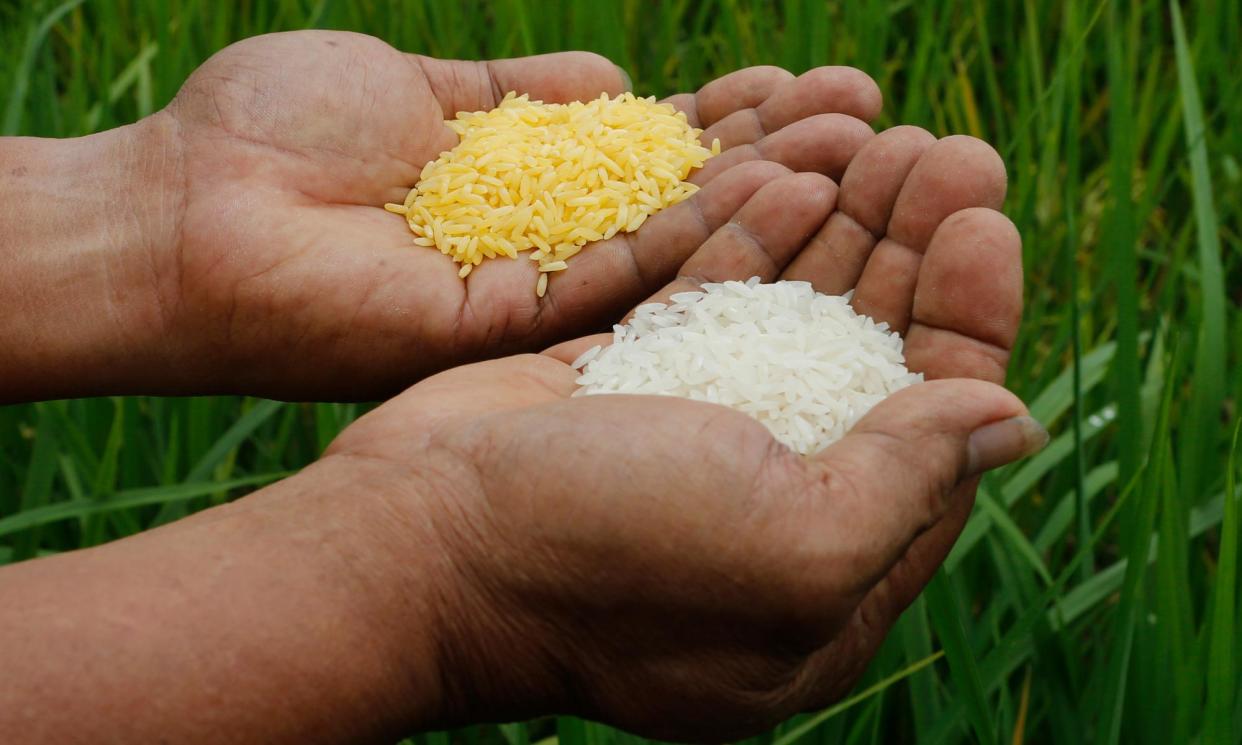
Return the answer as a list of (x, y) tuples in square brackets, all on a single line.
[(758, 172), (829, 482)]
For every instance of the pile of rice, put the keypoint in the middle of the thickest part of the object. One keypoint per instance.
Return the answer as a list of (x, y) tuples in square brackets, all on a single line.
[(549, 178), (804, 364)]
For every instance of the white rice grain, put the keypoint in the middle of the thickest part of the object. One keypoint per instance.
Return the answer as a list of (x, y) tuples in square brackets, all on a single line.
[(804, 364)]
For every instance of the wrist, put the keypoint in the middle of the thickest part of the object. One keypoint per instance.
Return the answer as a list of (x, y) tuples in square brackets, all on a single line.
[(365, 525), (496, 654), (431, 529), (344, 596), (88, 229)]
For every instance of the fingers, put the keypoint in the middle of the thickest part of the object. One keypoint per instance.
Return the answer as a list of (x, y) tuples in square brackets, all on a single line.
[(832, 670), (968, 303), (845, 90), (841, 90), (764, 235), (609, 276), (835, 258), (466, 85), (911, 573), (895, 475), (821, 91), (761, 238), (953, 174), (882, 508), (824, 143), (743, 89)]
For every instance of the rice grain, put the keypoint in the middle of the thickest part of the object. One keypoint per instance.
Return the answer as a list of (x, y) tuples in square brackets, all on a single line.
[(804, 364), (549, 178)]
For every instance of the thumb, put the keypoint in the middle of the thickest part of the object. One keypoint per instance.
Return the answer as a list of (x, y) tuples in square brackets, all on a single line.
[(896, 473), (467, 85)]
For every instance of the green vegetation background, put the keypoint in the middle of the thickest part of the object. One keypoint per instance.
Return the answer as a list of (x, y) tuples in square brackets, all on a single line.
[(1093, 597)]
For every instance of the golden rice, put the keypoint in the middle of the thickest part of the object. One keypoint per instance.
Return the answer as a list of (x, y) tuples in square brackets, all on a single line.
[(550, 178)]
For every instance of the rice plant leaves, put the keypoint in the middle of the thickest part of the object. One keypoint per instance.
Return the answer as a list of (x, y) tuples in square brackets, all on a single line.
[(796, 733), (124, 500), (914, 633), (1208, 389), (1136, 541), (1013, 534), (1121, 237), (1058, 450), (1058, 522), (37, 489), (1015, 647), (123, 83), (21, 80), (1081, 598), (1172, 642), (1222, 673), (105, 475), (1022, 481), (1057, 397), (946, 616), (233, 437), (515, 734)]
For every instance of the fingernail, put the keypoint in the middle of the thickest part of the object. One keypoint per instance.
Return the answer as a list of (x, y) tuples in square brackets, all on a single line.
[(625, 78), (999, 443)]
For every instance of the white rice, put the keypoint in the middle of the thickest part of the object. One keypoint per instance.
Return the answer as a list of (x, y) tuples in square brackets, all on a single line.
[(804, 364)]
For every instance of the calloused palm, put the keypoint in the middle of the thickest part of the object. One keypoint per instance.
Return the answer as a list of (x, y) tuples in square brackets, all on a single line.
[(289, 279), (665, 565)]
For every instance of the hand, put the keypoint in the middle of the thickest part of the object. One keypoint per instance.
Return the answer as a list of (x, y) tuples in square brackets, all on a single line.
[(287, 278), (485, 547), (664, 565)]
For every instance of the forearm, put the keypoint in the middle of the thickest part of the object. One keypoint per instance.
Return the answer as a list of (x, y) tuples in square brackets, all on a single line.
[(84, 228), (287, 616)]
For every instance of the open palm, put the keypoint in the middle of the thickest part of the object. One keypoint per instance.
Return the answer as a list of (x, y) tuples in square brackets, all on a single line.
[(665, 565), (294, 283)]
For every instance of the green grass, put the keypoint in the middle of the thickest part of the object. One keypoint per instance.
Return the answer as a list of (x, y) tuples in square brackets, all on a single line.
[(1093, 596)]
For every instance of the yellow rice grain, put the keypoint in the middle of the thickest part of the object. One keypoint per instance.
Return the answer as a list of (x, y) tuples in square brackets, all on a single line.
[(550, 178)]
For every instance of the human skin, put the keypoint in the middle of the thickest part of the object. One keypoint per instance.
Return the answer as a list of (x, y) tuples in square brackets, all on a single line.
[(484, 547), (234, 241)]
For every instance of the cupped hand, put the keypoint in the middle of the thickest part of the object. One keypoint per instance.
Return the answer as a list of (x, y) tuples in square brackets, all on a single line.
[(288, 279), (665, 565)]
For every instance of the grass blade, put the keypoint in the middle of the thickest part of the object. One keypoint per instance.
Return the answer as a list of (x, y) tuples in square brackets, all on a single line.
[(1136, 539), (946, 616), (1222, 666), (795, 734), (1208, 384), (37, 489), (21, 79), (232, 438), (124, 500), (1013, 534), (1123, 253)]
